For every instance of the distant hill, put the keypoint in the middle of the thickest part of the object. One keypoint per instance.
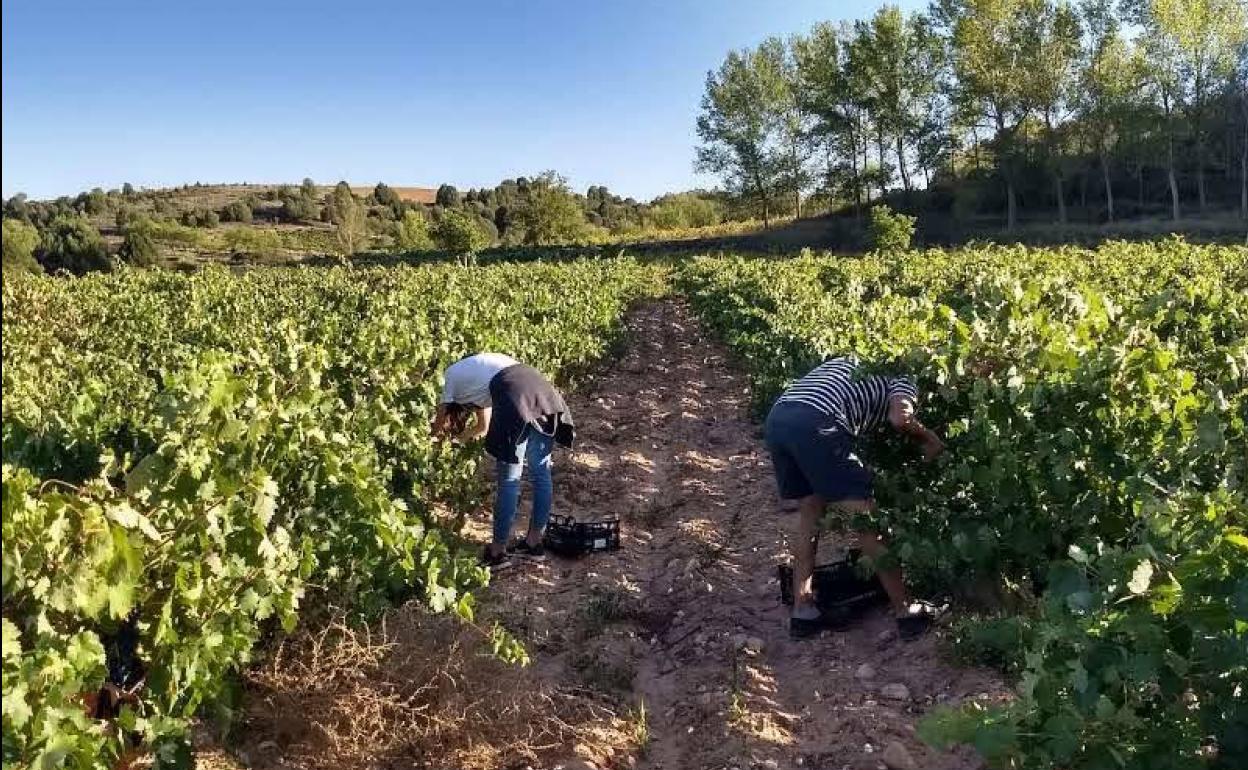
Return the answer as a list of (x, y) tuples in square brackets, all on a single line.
[(217, 195)]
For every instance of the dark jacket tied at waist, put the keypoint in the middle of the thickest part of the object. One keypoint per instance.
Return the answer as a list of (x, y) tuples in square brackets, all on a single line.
[(523, 398)]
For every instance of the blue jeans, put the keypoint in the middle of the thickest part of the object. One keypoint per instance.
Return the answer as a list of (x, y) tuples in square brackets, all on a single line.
[(534, 449)]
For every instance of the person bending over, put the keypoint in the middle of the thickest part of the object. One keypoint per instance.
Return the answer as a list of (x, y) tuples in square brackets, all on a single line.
[(811, 434), (521, 416)]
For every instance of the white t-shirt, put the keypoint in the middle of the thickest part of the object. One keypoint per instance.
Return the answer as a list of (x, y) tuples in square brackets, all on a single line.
[(467, 381)]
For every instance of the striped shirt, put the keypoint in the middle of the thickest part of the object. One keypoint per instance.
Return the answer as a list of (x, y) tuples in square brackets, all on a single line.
[(838, 389)]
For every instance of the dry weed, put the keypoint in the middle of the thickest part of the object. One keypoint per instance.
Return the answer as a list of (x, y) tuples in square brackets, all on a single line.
[(414, 690)]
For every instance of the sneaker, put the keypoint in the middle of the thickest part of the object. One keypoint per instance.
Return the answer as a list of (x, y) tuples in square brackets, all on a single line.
[(494, 562), (828, 620), (522, 549), (804, 628), (917, 622)]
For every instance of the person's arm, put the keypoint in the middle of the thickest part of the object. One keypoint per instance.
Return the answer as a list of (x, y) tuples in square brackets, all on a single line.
[(901, 417), (480, 424)]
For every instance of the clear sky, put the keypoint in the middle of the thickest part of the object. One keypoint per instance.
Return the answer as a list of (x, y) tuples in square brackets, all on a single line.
[(411, 93)]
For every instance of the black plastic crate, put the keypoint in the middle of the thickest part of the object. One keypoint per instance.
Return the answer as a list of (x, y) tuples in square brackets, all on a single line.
[(568, 537), (839, 586)]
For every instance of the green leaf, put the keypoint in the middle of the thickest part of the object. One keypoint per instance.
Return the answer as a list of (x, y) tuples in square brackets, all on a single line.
[(1166, 597), (120, 599), (17, 711), (996, 740), (11, 641)]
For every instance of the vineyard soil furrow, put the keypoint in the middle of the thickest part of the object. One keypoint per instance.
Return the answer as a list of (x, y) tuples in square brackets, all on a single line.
[(686, 617)]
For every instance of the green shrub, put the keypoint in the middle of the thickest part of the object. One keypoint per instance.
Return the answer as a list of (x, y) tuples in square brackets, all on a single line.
[(340, 204), (486, 225), (458, 232), (125, 215), (412, 234), (999, 641), (200, 218), (1134, 660), (94, 203), (172, 232), (297, 207), (253, 242), (352, 232), (236, 211), (20, 239), (447, 196), (676, 212), (385, 195), (72, 243), (552, 214), (139, 248), (18, 207), (308, 240), (890, 231)]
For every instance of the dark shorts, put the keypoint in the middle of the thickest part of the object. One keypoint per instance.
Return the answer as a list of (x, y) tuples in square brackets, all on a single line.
[(814, 455)]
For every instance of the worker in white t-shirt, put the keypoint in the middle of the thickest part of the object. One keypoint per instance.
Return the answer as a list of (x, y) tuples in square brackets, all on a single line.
[(521, 416)]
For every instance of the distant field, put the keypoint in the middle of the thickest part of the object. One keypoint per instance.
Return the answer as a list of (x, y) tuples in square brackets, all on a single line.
[(425, 195)]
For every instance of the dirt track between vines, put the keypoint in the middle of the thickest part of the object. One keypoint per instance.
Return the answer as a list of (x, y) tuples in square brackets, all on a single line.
[(686, 616)]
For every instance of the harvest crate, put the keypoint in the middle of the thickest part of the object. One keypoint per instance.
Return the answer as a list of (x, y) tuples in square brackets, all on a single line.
[(568, 537), (840, 589)]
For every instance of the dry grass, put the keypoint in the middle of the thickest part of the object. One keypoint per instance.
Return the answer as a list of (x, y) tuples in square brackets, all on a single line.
[(425, 195), (414, 690)]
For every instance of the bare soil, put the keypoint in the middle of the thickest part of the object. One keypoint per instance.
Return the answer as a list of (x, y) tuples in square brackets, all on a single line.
[(700, 634), (680, 637)]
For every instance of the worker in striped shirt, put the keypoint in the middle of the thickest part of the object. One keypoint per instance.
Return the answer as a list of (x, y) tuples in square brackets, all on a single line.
[(810, 434)]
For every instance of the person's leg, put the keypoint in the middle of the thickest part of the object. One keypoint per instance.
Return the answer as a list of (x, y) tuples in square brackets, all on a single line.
[(913, 620), (538, 456), (874, 546), (506, 499), (810, 512)]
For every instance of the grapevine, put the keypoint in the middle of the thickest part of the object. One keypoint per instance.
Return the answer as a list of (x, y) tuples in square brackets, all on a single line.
[(1095, 406), (202, 458)]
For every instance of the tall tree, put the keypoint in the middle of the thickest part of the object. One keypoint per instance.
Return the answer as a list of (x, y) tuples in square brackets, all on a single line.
[(869, 91), (739, 127), (551, 213), (1107, 89), (794, 123), (1053, 35), (896, 59), (825, 92), (447, 196), (992, 54), (351, 218), (1241, 90), (1192, 47)]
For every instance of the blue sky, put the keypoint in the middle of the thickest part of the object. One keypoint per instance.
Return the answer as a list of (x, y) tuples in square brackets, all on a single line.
[(412, 93)]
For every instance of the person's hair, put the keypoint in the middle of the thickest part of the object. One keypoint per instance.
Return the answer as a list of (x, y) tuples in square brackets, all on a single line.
[(458, 414)]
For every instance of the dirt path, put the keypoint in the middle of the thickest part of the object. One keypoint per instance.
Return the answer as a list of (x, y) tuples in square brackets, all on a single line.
[(686, 618)]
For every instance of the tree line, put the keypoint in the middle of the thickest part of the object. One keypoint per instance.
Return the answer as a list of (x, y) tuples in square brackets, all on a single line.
[(984, 107), (68, 233)]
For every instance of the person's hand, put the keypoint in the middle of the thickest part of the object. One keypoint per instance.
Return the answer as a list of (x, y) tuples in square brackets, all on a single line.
[(932, 448)]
